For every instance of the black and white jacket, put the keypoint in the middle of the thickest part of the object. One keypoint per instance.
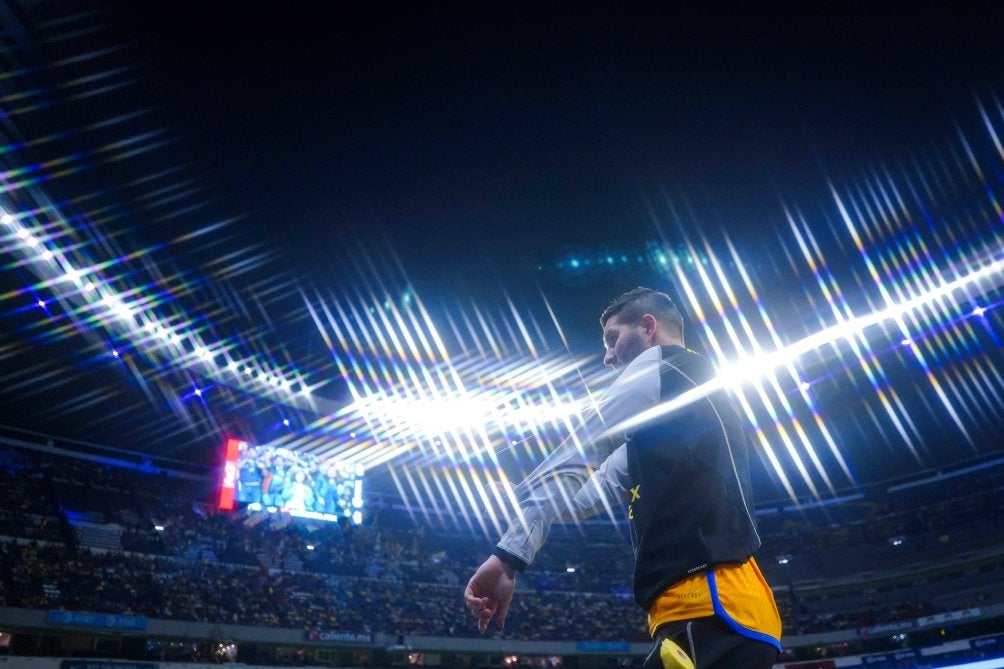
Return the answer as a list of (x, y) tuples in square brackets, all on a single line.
[(666, 440)]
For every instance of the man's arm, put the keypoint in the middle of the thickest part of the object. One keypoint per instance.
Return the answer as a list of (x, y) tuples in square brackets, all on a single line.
[(561, 495), (490, 590), (580, 463), (586, 474)]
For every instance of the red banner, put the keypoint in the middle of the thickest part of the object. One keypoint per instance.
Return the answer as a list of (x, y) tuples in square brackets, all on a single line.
[(229, 485)]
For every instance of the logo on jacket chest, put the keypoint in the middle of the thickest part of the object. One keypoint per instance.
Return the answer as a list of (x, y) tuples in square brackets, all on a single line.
[(635, 496)]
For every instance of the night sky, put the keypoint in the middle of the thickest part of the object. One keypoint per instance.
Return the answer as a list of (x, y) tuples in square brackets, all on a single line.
[(467, 150), (444, 125)]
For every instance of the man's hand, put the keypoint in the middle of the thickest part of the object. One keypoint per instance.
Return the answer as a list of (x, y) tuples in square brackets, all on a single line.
[(489, 592)]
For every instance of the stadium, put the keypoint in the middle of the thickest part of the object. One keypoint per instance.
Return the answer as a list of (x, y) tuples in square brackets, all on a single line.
[(296, 295)]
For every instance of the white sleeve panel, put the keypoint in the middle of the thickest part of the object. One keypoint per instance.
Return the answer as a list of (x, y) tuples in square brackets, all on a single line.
[(587, 472)]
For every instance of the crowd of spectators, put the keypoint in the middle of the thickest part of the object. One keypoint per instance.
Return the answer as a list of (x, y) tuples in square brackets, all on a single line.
[(180, 560), (953, 518), (50, 575)]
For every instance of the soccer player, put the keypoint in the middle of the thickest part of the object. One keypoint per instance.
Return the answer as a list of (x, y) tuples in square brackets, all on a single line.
[(685, 478)]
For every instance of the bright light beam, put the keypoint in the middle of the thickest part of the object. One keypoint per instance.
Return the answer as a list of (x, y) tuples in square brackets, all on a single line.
[(752, 369)]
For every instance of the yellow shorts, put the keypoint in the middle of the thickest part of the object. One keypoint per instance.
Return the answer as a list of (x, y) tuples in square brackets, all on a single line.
[(737, 593)]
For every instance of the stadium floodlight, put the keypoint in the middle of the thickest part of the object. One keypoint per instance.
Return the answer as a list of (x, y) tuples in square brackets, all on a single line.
[(107, 308), (752, 369)]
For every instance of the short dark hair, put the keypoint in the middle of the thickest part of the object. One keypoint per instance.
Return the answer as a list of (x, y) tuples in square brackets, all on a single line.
[(632, 305)]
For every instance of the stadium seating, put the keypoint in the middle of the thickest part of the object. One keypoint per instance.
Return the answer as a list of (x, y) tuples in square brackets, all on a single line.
[(68, 542)]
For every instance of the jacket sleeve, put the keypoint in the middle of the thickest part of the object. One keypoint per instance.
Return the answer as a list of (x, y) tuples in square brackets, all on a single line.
[(587, 473)]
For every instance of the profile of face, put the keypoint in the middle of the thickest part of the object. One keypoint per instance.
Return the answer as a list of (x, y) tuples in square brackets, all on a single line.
[(299, 476), (623, 342)]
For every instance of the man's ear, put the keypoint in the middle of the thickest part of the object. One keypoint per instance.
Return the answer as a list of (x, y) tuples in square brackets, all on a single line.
[(648, 324)]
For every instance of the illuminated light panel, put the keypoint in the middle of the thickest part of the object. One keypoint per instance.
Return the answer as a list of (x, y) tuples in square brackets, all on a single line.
[(108, 309), (752, 369), (52, 246), (879, 280)]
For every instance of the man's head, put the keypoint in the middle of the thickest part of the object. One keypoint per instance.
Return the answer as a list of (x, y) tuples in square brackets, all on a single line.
[(637, 320)]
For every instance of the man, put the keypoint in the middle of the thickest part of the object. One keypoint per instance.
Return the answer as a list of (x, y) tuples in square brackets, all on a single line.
[(685, 478)]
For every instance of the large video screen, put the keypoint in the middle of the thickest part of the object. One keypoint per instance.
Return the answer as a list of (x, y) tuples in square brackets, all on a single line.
[(280, 480)]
